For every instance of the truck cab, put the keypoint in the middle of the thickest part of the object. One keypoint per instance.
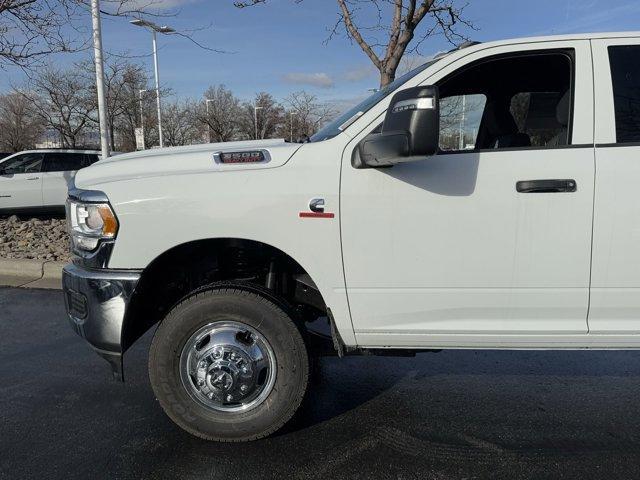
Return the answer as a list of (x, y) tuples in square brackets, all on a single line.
[(483, 200)]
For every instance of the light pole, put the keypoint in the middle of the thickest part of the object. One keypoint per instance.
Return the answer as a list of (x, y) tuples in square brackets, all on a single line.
[(154, 29), (206, 101), (99, 63), (462, 122), (255, 118), (292, 114)]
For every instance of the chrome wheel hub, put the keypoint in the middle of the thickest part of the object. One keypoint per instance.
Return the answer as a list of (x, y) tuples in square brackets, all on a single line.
[(228, 366)]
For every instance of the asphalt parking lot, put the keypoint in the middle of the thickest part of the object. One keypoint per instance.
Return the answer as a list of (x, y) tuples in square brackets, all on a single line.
[(452, 415)]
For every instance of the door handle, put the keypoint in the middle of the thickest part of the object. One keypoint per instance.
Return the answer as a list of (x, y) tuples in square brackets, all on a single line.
[(546, 186), (33, 178)]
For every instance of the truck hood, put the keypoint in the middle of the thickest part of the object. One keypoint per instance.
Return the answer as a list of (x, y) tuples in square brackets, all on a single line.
[(182, 160)]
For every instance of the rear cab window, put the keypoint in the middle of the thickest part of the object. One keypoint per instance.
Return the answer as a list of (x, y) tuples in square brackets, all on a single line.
[(63, 162), (625, 77)]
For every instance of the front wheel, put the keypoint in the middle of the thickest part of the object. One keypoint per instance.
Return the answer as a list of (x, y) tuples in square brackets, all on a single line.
[(229, 364)]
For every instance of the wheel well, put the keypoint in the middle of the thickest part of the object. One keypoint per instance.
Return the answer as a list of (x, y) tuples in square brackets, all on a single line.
[(186, 267)]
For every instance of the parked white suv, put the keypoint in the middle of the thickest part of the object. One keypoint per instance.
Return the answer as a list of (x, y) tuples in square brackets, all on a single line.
[(487, 199), (37, 181)]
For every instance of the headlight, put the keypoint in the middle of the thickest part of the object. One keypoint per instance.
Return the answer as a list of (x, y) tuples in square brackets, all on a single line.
[(89, 223)]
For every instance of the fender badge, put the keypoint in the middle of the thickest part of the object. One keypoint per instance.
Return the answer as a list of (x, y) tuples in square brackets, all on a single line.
[(247, 156), (316, 215), (316, 205)]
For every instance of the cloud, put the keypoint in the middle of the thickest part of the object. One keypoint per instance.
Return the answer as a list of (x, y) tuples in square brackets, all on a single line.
[(320, 80), (359, 73), (157, 5)]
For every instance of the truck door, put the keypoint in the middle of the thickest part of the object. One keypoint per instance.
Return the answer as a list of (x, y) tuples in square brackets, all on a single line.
[(21, 182), (615, 279), (492, 235)]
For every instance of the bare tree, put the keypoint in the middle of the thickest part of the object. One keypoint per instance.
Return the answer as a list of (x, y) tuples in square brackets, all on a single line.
[(65, 103), (220, 113), (393, 32), (180, 124), (123, 82), (20, 128), (32, 29), (130, 104), (125, 113), (305, 115), (269, 116)]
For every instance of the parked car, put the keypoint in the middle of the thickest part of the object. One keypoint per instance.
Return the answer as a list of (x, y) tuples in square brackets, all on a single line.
[(37, 181), (521, 234)]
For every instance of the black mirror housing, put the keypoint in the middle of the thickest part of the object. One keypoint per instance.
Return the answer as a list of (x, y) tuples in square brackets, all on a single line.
[(383, 149), (410, 131), (417, 111)]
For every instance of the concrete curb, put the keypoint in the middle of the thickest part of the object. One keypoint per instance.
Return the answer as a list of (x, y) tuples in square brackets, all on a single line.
[(31, 273)]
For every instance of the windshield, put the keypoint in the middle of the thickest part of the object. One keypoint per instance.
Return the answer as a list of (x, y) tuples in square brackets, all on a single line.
[(347, 118)]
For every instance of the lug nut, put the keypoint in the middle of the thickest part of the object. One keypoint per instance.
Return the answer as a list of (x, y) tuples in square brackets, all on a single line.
[(243, 388), (229, 398)]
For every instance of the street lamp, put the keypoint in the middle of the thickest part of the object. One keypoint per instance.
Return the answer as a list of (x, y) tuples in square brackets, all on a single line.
[(292, 114), (154, 29), (99, 63), (206, 101), (255, 118)]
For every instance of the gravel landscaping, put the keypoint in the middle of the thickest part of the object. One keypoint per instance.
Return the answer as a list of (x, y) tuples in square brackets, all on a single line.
[(35, 238)]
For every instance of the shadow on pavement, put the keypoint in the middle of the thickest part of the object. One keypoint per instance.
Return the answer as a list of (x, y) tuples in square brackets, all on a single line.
[(457, 414)]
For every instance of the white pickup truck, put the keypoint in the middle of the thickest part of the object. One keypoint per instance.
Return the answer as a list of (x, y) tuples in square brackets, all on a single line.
[(37, 181), (487, 199)]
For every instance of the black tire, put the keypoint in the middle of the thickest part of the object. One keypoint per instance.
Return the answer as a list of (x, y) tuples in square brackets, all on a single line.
[(257, 310)]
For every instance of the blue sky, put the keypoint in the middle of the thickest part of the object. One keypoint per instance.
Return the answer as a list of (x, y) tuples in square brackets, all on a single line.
[(279, 47)]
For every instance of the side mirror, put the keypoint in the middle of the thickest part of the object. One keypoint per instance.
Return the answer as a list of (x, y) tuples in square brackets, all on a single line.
[(410, 131), (384, 149)]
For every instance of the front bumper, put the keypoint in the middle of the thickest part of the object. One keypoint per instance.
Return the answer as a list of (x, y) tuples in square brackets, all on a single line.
[(96, 302)]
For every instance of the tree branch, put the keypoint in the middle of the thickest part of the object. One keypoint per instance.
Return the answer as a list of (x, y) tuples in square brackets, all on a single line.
[(355, 34), (405, 17)]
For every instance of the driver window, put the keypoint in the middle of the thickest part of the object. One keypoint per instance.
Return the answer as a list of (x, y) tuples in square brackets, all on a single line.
[(27, 163), (514, 101)]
